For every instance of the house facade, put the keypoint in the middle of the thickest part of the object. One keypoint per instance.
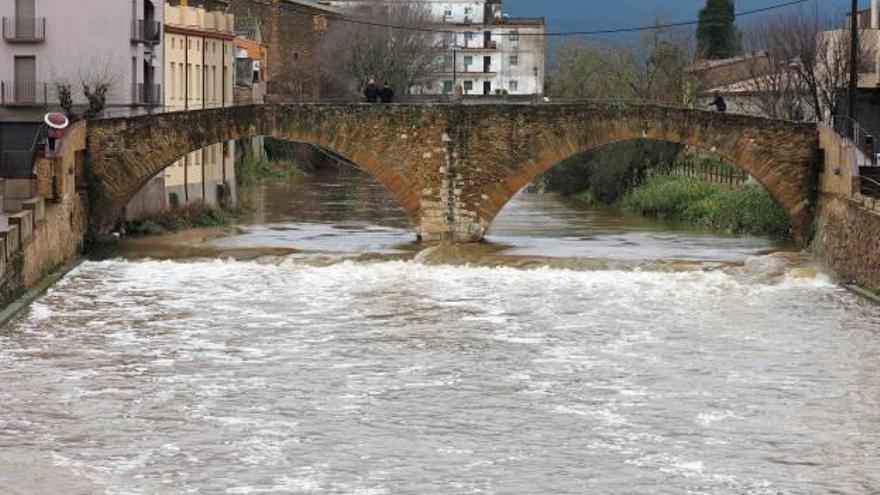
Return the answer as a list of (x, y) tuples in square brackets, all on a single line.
[(199, 69), (47, 44), (51, 42), (486, 52), (291, 32)]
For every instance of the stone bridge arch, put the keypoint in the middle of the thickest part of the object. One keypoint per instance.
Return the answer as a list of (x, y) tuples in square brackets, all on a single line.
[(452, 167), (523, 142), (393, 143)]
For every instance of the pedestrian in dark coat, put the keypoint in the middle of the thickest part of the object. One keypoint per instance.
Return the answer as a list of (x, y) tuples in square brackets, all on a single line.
[(719, 102), (386, 94), (371, 91)]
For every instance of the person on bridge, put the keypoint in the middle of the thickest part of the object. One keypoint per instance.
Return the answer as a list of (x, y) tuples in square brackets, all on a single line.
[(719, 102), (386, 94), (371, 91)]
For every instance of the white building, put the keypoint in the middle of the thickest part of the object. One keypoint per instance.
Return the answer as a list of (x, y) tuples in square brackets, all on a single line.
[(46, 42), (489, 53)]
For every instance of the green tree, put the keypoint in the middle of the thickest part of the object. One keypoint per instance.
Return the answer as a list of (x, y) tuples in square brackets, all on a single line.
[(717, 35)]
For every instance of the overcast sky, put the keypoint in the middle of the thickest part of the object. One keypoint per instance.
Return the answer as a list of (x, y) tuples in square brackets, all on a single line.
[(602, 14)]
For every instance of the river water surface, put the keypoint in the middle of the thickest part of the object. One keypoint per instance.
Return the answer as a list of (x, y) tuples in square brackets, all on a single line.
[(318, 349)]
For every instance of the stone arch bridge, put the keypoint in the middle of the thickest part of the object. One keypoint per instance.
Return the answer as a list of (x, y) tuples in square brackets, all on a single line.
[(452, 167)]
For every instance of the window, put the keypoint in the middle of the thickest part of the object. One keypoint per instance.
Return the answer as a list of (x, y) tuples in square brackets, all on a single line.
[(514, 35), (447, 87), (514, 60), (468, 85), (468, 11), (173, 81), (468, 60), (468, 36), (173, 43), (447, 11), (514, 85), (24, 86)]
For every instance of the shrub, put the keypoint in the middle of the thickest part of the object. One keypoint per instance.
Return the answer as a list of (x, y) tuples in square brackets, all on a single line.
[(745, 210)]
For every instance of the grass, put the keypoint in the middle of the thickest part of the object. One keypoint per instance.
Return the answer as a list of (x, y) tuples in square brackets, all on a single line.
[(744, 210), (190, 216)]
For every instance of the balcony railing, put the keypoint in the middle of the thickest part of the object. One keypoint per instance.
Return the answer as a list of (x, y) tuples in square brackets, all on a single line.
[(146, 31), (24, 29), (31, 94), (863, 140), (147, 94)]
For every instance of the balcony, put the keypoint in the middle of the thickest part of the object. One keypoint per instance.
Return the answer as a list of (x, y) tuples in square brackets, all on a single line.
[(18, 94), (147, 94), (24, 29), (146, 32)]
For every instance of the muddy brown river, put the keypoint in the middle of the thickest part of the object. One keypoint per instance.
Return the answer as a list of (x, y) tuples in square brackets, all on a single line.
[(316, 348)]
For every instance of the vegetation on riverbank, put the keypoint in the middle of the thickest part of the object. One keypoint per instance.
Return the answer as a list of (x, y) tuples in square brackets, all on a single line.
[(749, 209), (253, 169), (190, 216)]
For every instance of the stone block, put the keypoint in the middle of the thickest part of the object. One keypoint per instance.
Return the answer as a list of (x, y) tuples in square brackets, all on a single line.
[(11, 239), (24, 220), (18, 189), (37, 206)]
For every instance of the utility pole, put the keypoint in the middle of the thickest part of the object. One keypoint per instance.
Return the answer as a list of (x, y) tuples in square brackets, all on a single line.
[(853, 68)]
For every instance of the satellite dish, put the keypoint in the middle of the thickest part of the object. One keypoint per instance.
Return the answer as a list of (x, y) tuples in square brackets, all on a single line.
[(56, 120)]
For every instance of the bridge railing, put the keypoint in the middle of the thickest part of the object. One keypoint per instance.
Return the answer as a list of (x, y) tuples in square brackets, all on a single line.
[(849, 128)]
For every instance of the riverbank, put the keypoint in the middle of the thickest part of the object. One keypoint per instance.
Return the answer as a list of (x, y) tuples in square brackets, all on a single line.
[(35, 290), (192, 216), (748, 209)]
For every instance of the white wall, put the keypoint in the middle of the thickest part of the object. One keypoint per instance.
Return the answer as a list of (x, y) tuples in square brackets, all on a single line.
[(84, 38)]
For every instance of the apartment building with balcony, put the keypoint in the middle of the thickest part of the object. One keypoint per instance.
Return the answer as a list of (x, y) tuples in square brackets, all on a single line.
[(50, 42), (46, 42), (487, 52), (199, 73)]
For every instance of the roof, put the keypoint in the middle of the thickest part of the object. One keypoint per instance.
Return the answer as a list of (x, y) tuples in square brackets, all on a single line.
[(705, 64)]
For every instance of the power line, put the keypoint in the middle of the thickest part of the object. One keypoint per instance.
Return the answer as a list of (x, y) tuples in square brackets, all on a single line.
[(652, 27)]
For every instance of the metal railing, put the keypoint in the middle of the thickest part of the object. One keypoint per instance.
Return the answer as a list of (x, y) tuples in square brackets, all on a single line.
[(24, 29), (143, 31), (866, 143), (869, 187), (147, 94), (19, 94)]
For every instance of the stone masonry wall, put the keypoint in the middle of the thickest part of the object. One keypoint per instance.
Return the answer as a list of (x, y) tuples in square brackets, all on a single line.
[(452, 167), (292, 32), (847, 225), (58, 224), (848, 241)]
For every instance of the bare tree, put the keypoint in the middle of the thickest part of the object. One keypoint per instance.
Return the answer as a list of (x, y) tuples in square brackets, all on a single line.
[(802, 47), (773, 87), (352, 52), (97, 79), (653, 70)]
